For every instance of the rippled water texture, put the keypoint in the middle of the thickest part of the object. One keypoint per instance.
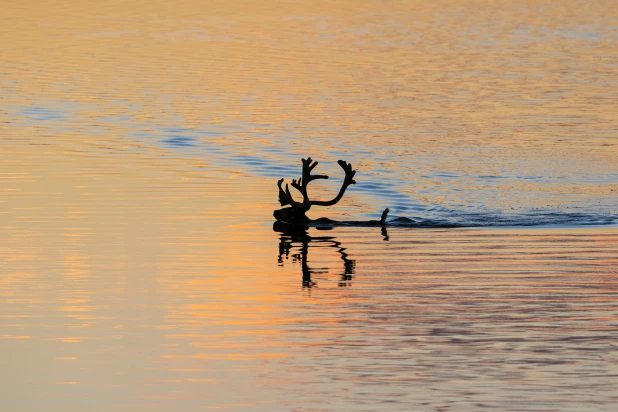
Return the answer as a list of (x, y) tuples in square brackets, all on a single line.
[(140, 144)]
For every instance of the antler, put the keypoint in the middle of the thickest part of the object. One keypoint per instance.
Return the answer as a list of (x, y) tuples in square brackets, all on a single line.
[(285, 197), (301, 184), (347, 181)]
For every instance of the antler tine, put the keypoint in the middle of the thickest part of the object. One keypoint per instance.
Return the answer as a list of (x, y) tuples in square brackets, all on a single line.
[(347, 181), (285, 197), (308, 166), (297, 184), (349, 172), (287, 192), (307, 177)]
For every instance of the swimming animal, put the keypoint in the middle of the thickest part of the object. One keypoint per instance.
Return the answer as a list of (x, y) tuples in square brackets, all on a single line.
[(295, 212)]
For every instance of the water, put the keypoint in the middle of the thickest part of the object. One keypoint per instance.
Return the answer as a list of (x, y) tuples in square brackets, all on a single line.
[(140, 145)]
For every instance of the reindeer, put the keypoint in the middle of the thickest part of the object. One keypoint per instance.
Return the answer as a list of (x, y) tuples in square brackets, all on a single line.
[(296, 212)]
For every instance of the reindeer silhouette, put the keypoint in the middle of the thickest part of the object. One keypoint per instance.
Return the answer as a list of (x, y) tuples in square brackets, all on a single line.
[(296, 212)]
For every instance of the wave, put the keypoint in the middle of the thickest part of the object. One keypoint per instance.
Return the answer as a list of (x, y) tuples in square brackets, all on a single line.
[(455, 220)]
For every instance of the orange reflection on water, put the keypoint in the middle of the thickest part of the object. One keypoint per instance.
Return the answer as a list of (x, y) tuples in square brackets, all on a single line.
[(155, 270)]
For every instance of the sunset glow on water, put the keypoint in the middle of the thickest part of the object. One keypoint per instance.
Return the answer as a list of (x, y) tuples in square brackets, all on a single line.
[(140, 146)]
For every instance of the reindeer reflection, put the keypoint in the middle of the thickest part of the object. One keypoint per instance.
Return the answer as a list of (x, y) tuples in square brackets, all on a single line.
[(292, 235)]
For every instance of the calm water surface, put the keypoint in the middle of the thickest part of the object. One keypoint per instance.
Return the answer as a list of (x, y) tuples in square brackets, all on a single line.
[(140, 144)]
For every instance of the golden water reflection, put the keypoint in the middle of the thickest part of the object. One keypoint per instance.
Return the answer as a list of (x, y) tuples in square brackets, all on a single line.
[(152, 296), (140, 143), (451, 104)]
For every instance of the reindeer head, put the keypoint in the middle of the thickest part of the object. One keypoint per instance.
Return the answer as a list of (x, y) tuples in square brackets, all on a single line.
[(296, 210)]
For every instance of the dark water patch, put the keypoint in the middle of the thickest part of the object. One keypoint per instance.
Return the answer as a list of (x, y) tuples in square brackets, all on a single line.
[(141, 135), (250, 160), (42, 113), (115, 119), (209, 133), (179, 141)]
